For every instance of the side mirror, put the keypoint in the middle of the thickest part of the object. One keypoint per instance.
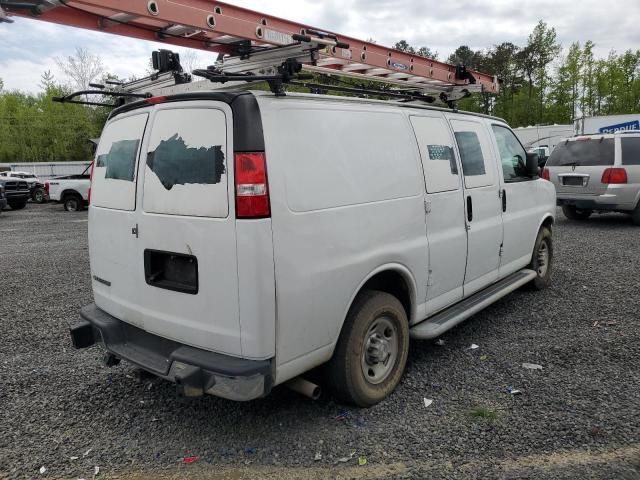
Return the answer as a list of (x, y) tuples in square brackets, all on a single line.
[(532, 164)]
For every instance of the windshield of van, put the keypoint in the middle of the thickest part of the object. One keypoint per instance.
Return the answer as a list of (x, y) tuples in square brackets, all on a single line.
[(591, 152)]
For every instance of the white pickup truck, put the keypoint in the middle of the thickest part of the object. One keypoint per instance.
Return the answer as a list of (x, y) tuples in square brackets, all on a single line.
[(70, 190)]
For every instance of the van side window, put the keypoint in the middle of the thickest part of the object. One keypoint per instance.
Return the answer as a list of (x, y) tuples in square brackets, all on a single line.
[(436, 150), (631, 151), (512, 155), (475, 153)]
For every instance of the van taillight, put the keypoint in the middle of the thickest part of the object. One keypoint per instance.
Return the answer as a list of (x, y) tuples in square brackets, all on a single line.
[(252, 189), (90, 182), (546, 174), (614, 176), (46, 188)]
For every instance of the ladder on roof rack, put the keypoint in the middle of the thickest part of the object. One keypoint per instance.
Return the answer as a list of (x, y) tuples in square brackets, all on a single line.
[(228, 29)]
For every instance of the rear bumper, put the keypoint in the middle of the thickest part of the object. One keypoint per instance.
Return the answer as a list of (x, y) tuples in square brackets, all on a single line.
[(593, 202), (195, 371), (615, 197)]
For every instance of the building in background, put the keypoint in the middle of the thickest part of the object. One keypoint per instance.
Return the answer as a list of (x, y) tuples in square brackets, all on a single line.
[(45, 170)]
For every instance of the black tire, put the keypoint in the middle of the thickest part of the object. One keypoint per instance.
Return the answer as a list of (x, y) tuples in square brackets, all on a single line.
[(18, 205), (345, 372), (72, 202), (635, 215), (542, 262), (38, 196), (573, 213)]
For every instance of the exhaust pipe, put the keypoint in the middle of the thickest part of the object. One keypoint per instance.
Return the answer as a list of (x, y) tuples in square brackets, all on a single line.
[(304, 387)]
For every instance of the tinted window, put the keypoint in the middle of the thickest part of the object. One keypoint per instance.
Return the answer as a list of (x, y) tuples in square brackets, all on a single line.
[(470, 153), (631, 151), (512, 155), (591, 152), (186, 165), (475, 153), (436, 149)]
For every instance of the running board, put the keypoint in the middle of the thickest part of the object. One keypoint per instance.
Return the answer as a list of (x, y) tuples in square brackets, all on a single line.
[(438, 324)]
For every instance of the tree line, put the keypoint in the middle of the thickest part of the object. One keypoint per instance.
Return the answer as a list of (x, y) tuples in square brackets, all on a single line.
[(541, 83)]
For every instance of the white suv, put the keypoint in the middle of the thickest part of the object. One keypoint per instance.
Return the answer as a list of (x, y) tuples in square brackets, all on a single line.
[(238, 240), (599, 172)]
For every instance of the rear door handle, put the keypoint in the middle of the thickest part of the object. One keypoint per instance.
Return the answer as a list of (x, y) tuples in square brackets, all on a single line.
[(469, 209), (504, 200)]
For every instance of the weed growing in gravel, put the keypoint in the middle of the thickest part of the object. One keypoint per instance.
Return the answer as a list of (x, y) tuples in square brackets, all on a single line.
[(484, 412)]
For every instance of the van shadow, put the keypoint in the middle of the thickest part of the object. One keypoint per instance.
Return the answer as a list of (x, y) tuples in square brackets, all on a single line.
[(604, 220)]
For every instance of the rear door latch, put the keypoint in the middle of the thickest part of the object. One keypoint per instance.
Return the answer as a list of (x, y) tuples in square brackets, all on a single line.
[(134, 231)]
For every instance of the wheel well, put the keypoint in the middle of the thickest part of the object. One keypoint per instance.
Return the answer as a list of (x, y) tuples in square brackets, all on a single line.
[(548, 223), (393, 283), (67, 193)]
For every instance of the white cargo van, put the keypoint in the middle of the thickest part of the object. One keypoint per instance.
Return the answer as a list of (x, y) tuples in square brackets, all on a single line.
[(238, 240)]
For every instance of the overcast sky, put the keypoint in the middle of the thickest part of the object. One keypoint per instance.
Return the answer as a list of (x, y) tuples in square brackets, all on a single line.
[(28, 47)]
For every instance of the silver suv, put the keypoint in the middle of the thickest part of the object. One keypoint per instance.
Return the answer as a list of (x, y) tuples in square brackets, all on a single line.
[(598, 172)]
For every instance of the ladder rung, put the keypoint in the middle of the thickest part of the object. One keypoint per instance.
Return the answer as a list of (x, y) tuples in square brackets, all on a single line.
[(123, 17)]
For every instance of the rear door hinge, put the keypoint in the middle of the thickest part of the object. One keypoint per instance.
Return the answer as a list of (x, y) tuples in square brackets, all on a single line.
[(500, 251), (134, 231)]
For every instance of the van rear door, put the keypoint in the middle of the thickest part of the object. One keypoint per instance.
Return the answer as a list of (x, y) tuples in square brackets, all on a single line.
[(112, 216), (188, 290), (164, 254)]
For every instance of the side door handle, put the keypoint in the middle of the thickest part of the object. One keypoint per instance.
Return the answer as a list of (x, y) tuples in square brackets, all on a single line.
[(504, 200), (469, 209)]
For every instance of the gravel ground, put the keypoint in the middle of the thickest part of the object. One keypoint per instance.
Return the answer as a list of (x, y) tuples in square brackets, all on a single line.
[(578, 417)]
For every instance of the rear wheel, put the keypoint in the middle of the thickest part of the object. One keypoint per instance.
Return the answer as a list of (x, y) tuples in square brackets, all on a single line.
[(635, 215), (541, 260), (372, 351), (573, 213), (72, 203), (18, 205)]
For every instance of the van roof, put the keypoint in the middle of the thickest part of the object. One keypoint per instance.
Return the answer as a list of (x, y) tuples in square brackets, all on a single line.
[(229, 96)]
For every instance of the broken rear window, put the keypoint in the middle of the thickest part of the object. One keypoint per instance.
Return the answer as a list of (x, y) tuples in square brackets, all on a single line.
[(186, 163)]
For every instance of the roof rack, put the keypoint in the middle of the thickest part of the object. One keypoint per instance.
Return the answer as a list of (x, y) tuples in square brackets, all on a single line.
[(264, 47)]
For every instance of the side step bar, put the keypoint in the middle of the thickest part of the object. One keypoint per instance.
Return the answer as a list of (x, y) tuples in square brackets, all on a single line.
[(438, 324)]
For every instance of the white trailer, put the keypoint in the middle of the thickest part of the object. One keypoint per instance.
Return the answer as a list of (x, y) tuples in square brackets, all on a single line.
[(46, 170), (543, 136), (608, 124)]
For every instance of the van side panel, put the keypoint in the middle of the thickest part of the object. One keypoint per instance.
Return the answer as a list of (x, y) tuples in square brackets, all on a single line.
[(346, 197)]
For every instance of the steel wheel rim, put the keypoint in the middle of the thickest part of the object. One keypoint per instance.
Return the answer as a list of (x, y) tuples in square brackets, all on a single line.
[(543, 259), (380, 350)]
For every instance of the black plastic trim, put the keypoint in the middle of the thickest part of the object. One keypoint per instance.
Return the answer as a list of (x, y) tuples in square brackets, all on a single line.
[(156, 354)]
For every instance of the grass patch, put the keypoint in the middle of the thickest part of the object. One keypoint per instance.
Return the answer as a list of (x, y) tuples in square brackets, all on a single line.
[(484, 412)]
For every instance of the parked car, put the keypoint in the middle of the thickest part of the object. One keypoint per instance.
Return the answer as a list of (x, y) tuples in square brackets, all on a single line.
[(238, 240), (70, 190), (597, 173), (36, 187), (16, 192)]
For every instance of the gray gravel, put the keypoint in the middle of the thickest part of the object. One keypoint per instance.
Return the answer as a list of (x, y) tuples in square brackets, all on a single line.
[(578, 417)]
